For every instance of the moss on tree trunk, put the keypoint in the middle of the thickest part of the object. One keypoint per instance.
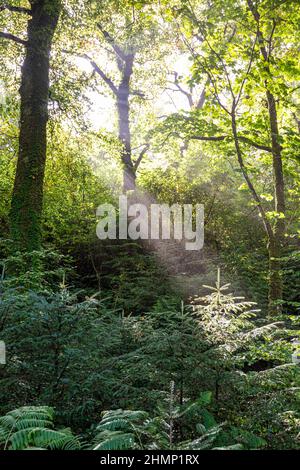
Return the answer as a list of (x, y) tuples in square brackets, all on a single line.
[(27, 197)]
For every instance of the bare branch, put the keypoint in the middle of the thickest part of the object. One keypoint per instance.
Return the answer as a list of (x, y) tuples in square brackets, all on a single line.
[(107, 80), (255, 144), (14, 38), (141, 155), (138, 93), (241, 138), (247, 71), (209, 138), (202, 98), (206, 70), (118, 50), (260, 37), (219, 57), (184, 92), (27, 11), (100, 72), (270, 40)]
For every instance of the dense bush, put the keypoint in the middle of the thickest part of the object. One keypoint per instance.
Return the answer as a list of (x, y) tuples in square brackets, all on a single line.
[(78, 354)]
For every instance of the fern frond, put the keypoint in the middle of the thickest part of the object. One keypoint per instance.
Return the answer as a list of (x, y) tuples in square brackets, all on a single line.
[(31, 427), (130, 415), (203, 442), (53, 440), (232, 447), (114, 425), (115, 440), (32, 423)]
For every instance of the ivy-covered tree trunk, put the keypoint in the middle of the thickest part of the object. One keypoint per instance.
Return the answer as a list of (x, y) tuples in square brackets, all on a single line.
[(27, 197)]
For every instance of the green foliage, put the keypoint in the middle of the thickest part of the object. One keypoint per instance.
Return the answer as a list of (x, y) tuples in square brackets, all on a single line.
[(125, 429), (39, 270), (119, 429), (31, 428), (123, 271), (95, 325), (92, 356)]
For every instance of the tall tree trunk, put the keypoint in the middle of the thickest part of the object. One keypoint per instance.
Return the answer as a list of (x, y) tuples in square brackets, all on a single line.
[(274, 241), (123, 94), (275, 277), (27, 197), (275, 245), (121, 91)]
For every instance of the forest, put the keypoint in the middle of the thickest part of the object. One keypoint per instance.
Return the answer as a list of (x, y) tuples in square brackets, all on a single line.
[(113, 338)]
